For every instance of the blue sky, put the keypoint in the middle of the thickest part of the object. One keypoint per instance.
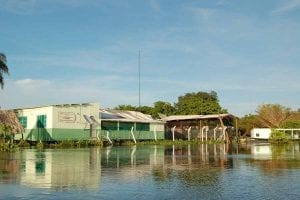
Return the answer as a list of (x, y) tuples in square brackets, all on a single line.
[(71, 51)]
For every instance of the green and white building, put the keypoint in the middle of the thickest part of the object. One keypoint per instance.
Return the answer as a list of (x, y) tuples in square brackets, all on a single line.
[(130, 125), (86, 121), (58, 122)]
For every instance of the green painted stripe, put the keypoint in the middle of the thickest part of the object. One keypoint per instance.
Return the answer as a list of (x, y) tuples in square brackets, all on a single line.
[(56, 134)]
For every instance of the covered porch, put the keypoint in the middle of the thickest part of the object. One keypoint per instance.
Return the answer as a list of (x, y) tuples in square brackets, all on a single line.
[(201, 127)]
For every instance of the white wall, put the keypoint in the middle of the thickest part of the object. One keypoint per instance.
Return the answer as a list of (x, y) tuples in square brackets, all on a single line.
[(71, 116), (32, 113), (261, 133), (157, 127)]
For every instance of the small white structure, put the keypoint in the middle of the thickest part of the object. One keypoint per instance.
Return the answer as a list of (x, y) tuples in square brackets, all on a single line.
[(261, 133), (265, 133)]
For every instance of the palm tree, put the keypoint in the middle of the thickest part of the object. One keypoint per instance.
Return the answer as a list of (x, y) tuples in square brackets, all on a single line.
[(3, 68)]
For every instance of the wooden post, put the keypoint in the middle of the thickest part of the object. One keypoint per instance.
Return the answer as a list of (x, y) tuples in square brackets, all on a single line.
[(222, 125), (200, 127), (215, 130), (236, 129), (206, 134)]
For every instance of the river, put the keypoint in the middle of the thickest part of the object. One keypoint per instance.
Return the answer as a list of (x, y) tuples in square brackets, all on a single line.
[(201, 171)]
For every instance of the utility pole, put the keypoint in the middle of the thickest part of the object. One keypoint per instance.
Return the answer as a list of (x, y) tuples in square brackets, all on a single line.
[(139, 70)]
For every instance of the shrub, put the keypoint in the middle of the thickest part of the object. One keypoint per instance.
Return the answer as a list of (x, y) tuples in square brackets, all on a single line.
[(278, 136)]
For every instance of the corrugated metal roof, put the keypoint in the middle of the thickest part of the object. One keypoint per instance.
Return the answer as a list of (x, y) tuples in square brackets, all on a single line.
[(126, 116), (59, 105), (190, 117)]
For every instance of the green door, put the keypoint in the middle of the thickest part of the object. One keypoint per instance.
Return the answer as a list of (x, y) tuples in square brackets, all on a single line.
[(41, 126)]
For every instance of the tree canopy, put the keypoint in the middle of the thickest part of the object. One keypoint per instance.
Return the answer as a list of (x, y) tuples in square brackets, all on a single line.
[(270, 116), (273, 115), (200, 103), (188, 104), (3, 68), (247, 123)]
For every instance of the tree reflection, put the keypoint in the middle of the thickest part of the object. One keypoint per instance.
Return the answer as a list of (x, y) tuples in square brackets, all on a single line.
[(9, 167)]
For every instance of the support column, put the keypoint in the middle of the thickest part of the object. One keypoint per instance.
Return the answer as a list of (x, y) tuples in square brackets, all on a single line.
[(173, 133), (189, 133), (133, 135)]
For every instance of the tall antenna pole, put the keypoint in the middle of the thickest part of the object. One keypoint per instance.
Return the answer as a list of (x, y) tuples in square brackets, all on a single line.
[(139, 69)]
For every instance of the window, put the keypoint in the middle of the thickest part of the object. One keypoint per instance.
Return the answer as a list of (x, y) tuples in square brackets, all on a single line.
[(23, 121), (109, 125), (41, 121), (142, 126), (257, 134), (125, 126)]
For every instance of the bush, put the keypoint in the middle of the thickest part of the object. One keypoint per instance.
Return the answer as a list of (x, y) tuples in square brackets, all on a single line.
[(278, 137)]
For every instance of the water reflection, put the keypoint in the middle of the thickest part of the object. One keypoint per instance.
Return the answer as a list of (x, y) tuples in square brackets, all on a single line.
[(9, 168), (52, 168), (271, 159), (265, 151), (189, 165), (176, 157)]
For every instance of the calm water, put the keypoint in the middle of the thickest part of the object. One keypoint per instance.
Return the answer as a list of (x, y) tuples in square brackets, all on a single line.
[(254, 171)]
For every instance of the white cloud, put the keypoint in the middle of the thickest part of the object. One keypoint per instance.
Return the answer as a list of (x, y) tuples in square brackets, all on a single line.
[(288, 6), (35, 92), (31, 82)]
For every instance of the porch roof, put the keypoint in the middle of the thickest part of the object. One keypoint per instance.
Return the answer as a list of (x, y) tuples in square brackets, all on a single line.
[(195, 117)]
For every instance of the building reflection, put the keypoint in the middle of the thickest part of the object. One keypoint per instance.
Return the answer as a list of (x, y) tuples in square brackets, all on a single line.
[(272, 158), (185, 162), (83, 168), (174, 156), (266, 151), (61, 169)]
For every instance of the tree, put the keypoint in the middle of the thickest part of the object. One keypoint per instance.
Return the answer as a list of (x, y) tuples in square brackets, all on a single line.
[(126, 107), (147, 110), (165, 108), (293, 120), (200, 103), (273, 115), (3, 68), (247, 123)]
